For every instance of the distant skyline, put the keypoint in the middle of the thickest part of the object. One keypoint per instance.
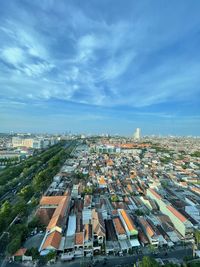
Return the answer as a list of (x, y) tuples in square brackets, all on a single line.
[(100, 66)]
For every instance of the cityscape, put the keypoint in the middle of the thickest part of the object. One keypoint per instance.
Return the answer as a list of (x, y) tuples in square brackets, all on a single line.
[(99, 133), (99, 200)]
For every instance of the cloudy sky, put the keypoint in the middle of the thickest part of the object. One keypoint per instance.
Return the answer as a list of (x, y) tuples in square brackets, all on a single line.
[(100, 66)]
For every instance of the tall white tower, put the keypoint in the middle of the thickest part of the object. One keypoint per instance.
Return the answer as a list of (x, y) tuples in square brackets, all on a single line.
[(137, 134)]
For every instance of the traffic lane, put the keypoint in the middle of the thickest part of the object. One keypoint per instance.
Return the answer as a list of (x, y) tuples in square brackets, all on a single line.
[(125, 260), (116, 260)]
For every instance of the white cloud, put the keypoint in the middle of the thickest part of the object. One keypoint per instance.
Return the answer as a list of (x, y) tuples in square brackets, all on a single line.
[(13, 55), (107, 64), (37, 69)]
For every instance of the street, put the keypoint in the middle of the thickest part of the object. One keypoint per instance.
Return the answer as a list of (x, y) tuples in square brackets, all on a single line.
[(125, 260)]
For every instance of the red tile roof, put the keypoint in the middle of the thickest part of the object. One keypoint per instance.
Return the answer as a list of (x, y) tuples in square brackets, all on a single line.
[(155, 194), (52, 240), (118, 226), (79, 238), (20, 252), (52, 200), (177, 214)]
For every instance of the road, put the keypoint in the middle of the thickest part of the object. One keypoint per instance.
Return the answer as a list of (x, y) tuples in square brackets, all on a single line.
[(125, 260), (10, 195)]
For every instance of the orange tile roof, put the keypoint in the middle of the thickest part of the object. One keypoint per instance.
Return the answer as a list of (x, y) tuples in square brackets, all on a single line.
[(118, 226), (129, 187), (131, 145), (54, 222), (102, 181), (52, 200), (155, 194), (20, 252), (58, 213), (127, 220), (79, 238), (110, 162), (62, 206), (147, 227), (52, 240), (177, 214)]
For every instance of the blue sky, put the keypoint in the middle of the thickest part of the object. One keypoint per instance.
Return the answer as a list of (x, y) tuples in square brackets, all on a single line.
[(100, 66)]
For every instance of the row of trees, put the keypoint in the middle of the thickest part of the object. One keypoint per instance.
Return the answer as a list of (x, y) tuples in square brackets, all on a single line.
[(11, 176), (27, 199), (196, 154), (9, 161), (151, 262)]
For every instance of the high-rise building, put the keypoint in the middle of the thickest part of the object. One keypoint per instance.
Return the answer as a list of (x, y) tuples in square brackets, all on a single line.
[(18, 142), (137, 134)]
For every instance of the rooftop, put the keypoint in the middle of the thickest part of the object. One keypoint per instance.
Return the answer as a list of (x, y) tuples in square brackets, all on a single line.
[(127, 220), (118, 226), (177, 213), (79, 238), (52, 240)]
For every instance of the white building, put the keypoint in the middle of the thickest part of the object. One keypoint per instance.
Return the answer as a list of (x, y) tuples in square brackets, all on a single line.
[(137, 134)]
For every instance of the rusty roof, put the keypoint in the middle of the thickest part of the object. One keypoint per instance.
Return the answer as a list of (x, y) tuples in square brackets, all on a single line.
[(79, 238), (147, 227), (118, 226)]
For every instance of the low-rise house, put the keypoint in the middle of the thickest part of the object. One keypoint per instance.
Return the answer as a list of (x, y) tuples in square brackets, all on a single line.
[(130, 228), (87, 212), (98, 227), (78, 244), (57, 223), (180, 222), (88, 240), (20, 255), (146, 227), (51, 242), (119, 228)]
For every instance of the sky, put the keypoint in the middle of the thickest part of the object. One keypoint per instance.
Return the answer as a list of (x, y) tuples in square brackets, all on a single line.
[(100, 66)]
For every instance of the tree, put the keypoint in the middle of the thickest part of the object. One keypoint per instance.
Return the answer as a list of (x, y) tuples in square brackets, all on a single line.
[(20, 207), (197, 236), (5, 215), (194, 264), (114, 198), (4, 242), (139, 212), (14, 245), (5, 209), (171, 265), (20, 230), (33, 252), (196, 154), (51, 255), (35, 223), (26, 192), (152, 248), (148, 262)]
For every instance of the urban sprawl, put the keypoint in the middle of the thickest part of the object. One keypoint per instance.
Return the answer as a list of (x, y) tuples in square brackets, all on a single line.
[(114, 196)]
